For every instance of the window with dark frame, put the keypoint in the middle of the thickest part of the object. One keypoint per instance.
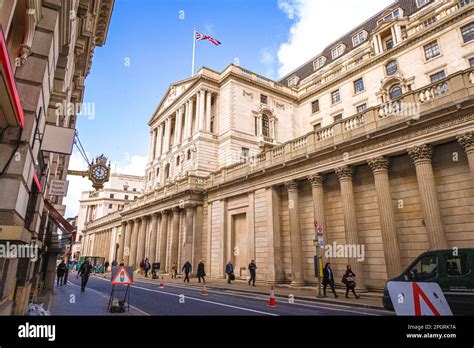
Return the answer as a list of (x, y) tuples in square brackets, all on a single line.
[(358, 85), (361, 108), (263, 99), (112, 195), (316, 126), (337, 118), (265, 126), (391, 67), (471, 62), (431, 50), (315, 106), (188, 155), (468, 32), (389, 44), (111, 206), (245, 153), (437, 76), (335, 97), (126, 197), (395, 91)]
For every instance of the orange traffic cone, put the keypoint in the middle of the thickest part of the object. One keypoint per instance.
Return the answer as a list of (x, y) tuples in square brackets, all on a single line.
[(204, 290), (162, 286), (271, 301)]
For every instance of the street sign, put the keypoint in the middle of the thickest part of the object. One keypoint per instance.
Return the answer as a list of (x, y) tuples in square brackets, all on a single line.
[(412, 298), (122, 275), (58, 187)]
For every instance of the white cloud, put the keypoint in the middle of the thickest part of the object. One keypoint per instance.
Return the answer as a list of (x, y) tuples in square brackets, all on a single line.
[(130, 164), (318, 23)]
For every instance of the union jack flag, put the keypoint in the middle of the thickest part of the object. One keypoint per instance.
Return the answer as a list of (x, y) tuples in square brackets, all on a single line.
[(200, 37)]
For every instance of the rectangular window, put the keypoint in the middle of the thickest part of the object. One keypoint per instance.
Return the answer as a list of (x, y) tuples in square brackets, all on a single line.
[(457, 265), (471, 62), (338, 118), (359, 38), (431, 50), (112, 195), (263, 99), (317, 126), (468, 32), (358, 85), (319, 62), (110, 206), (126, 197), (315, 106), (361, 108), (422, 3), (135, 197), (134, 189), (335, 97), (437, 76), (337, 51), (389, 44), (245, 152)]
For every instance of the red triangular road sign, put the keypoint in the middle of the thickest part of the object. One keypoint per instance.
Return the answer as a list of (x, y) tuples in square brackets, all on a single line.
[(122, 277), (417, 292)]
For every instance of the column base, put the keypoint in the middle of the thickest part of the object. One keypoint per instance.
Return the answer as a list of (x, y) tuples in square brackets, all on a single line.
[(297, 284)]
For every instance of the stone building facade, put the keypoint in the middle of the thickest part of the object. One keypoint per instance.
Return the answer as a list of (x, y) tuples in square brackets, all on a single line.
[(372, 139), (46, 54)]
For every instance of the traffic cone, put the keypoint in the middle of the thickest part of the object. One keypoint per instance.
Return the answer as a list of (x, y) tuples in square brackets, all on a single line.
[(204, 290), (162, 286), (271, 301)]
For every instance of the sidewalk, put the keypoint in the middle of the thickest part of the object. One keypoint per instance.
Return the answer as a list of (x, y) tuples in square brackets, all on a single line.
[(371, 300), (69, 300)]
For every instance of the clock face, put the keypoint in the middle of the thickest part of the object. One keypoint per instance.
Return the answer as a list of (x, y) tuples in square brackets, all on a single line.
[(100, 173)]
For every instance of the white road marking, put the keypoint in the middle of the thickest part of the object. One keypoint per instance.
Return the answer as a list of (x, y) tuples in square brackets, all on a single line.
[(201, 300)]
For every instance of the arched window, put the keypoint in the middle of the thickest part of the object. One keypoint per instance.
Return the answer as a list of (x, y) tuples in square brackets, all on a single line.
[(167, 171), (265, 126), (391, 67), (395, 91)]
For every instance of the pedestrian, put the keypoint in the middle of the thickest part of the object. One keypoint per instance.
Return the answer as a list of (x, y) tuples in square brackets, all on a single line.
[(229, 269), (252, 269), (200, 272), (187, 268), (60, 270), (146, 266), (122, 263), (114, 263), (142, 266), (349, 280), (84, 272), (66, 272), (106, 266), (174, 271), (328, 279)]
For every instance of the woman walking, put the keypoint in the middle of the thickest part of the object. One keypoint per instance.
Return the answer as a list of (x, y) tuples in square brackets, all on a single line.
[(349, 280)]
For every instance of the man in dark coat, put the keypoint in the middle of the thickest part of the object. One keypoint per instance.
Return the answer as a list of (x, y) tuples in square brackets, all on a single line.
[(252, 269), (60, 273), (200, 272), (186, 269), (84, 273), (229, 269), (328, 279)]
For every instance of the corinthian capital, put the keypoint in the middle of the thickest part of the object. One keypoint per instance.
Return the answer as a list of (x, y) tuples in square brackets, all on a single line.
[(467, 142), (291, 185), (422, 153), (316, 179), (344, 172), (378, 164)]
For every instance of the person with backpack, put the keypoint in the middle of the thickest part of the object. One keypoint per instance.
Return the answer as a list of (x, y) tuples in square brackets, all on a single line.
[(229, 270), (349, 280)]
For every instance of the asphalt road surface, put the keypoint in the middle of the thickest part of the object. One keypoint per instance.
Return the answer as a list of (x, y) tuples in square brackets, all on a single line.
[(183, 299)]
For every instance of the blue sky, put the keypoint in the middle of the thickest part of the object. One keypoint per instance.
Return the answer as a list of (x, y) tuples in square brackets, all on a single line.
[(149, 46)]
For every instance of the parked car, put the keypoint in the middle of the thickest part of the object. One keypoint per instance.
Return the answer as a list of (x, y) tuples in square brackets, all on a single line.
[(452, 269)]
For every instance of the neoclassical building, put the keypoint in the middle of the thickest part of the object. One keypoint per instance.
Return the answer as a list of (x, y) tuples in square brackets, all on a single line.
[(372, 138)]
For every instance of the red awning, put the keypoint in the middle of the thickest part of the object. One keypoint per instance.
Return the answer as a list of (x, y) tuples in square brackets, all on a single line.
[(60, 221), (7, 80)]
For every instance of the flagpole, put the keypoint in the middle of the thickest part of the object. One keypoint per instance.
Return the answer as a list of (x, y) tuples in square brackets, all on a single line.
[(194, 50)]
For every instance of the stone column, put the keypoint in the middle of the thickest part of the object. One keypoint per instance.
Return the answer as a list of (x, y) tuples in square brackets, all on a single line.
[(275, 268), (166, 145), (175, 237), (295, 237), (198, 112), (197, 237), (421, 156), (317, 190), (134, 244), (141, 240), (208, 111), (153, 238), (159, 141), (188, 238), (202, 96), (128, 239), (153, 144), (344, 175), (179, 122), (186, 120), (467, 142), (163, 239), (391, 247), (190, 119)]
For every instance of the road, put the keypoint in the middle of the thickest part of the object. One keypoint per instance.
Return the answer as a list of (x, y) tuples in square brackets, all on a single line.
[(183, 299)]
